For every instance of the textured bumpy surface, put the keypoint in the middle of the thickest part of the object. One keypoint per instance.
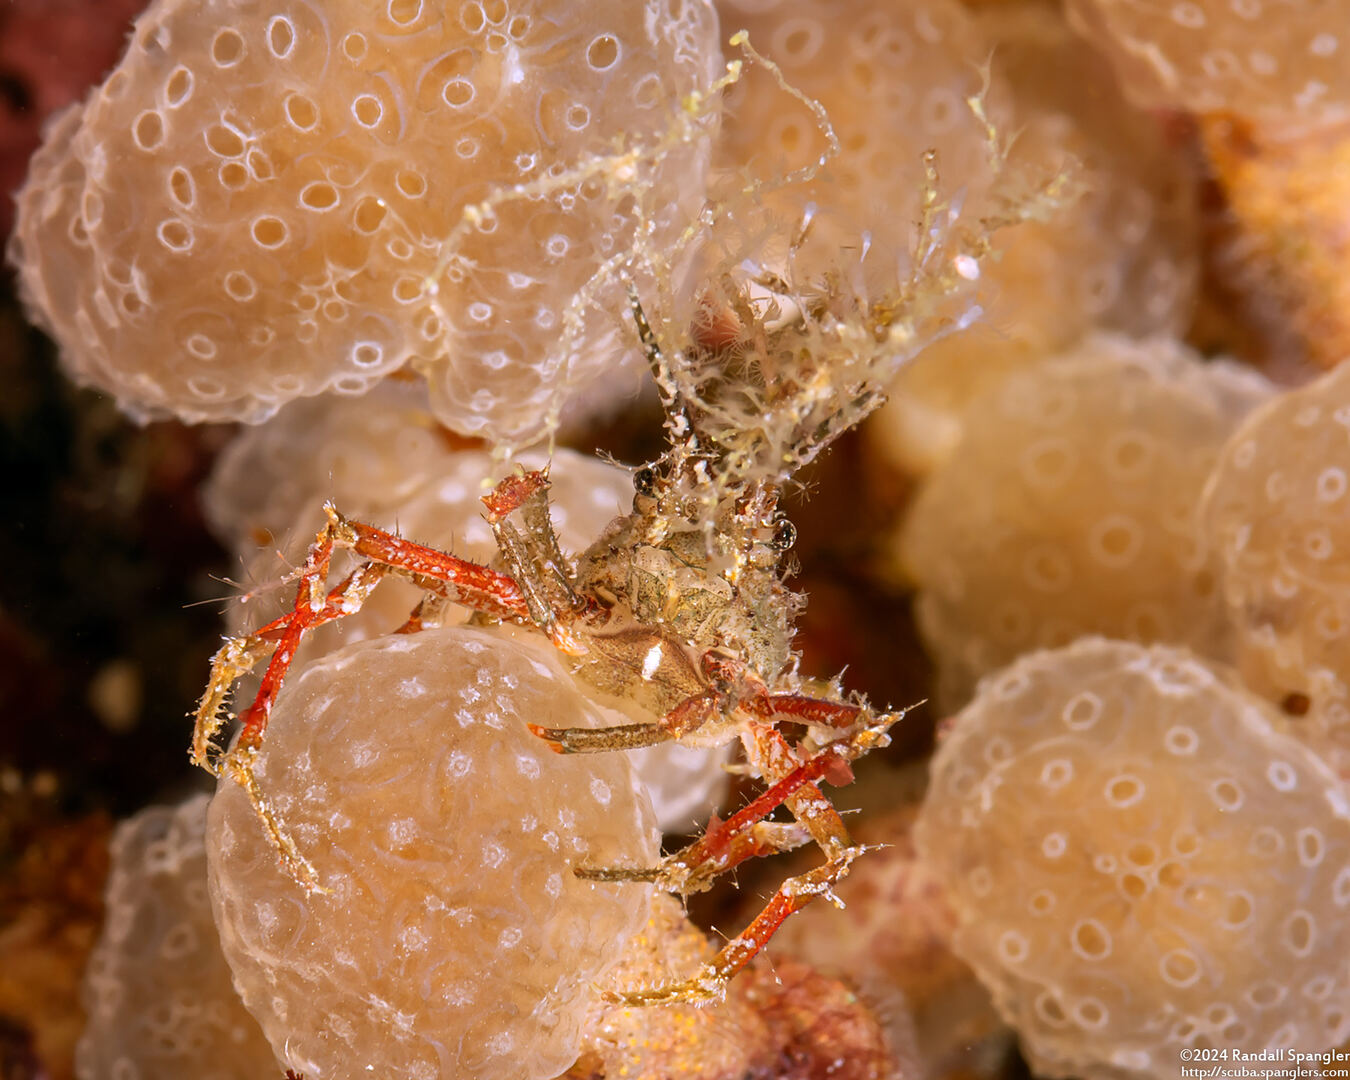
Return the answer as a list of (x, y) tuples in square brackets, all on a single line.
[(259, 203), (781, 1019), (1120, 257), (820, 1027), (1276, 61), (1123, 254), (455, 940), (1068, 508), (157, 990), (892, 938), (1277, 511), (676, 1041), (1142, 861), (366, 454)]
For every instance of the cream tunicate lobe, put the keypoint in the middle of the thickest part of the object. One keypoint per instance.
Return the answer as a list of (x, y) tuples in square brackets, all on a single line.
[(157, 990), (267, 201), (454, 939), (1068, 508), (1141, 858)]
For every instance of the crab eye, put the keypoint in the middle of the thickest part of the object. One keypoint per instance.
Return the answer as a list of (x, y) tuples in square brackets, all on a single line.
[(784, 536), (644, 481)]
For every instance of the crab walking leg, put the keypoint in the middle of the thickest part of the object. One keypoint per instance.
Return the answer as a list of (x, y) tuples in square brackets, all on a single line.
[(478, 587), (731, 842), (698, 709), (772, 757), (428, 612), (238, 656), (310, 603), (727, 844), (804, 707), (518, 514), (709, 983), (689, 715), (239, 764)]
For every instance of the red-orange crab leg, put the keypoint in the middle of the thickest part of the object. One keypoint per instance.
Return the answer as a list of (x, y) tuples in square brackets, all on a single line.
[(310, 604), (797, 791), (710, 981), (773, 758), (427, 613), (729, 843), (238, 656), (815, 812), (439, 573), (478, 587), (803, 707)]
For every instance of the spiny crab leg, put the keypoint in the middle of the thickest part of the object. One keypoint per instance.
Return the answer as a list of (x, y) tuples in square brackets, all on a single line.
[(692, 713), (518, 514), (238, 656), (811, 710), (729, 843), (440, 574), (478, 587), (771, 756), (709, 983), (734, 840), (689, 715), (310, 603)]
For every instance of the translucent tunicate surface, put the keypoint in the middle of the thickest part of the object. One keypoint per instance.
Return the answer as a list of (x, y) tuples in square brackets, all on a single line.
[(157, 990), (454, 938), (269, 200), (1141, 860), (1068, 507)]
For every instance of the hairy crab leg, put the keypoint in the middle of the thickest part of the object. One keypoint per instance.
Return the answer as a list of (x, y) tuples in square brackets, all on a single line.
[(729, 843), (478, 587), (804, 707), (518, 514), (771, 756), (240, 655), (310, 603), (689, 715), (709, 983), (441, 574), (475, 586), (723, 847), (694, 868), (726, 845)]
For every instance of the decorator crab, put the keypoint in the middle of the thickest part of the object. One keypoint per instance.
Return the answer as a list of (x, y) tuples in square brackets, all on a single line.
[(678, 614)]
